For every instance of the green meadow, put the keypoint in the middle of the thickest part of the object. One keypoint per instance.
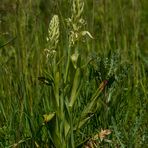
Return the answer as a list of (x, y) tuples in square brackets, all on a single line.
[(74, 74)]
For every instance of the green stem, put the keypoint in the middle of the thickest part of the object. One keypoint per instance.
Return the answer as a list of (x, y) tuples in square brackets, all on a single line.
[(67, 66)]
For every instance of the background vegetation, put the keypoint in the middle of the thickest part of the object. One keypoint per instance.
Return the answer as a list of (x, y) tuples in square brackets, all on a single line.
[(59, 93)]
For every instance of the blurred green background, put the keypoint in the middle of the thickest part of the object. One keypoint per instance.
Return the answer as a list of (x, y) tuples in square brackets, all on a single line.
[(119, 47)]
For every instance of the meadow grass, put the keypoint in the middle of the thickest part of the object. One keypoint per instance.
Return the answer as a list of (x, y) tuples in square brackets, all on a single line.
[(73, 74)]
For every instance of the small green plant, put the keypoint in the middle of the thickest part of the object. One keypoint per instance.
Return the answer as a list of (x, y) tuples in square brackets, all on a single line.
[(61, 123)]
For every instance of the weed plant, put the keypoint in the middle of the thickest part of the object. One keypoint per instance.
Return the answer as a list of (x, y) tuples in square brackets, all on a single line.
[(73, 73)]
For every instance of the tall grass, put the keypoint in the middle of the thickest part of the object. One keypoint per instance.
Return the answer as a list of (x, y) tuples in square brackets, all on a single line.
[(90, 74)]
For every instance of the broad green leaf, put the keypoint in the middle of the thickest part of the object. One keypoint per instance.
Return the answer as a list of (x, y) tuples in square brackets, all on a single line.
[(48, 117), (82, 122), (75, 87), (90, 108), (74, 59), (66, 127), (56, 90)]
